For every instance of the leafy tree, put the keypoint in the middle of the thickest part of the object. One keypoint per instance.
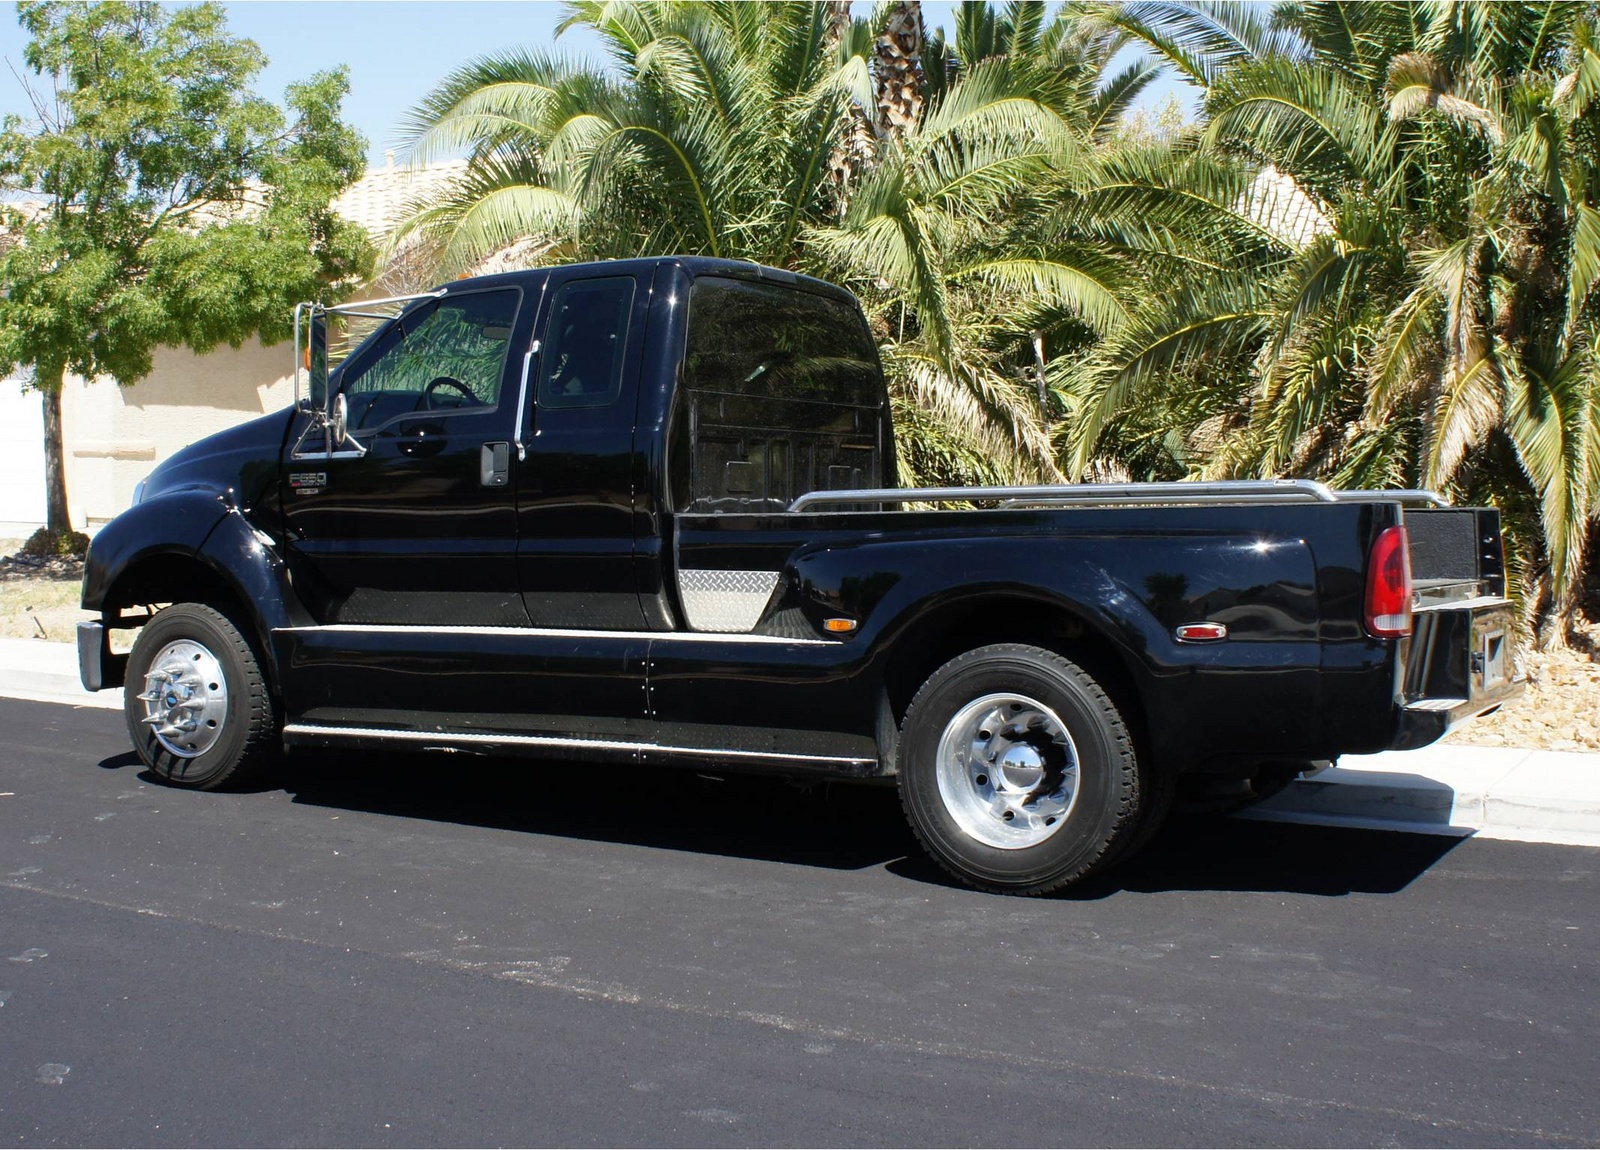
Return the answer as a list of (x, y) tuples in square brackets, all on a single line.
[(1431, 323), (166, 204)]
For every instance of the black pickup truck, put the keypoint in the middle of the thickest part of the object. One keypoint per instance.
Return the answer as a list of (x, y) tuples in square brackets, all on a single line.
[(644, 511)]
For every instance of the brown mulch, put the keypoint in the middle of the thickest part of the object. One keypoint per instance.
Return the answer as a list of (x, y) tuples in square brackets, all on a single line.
[(20, 566)]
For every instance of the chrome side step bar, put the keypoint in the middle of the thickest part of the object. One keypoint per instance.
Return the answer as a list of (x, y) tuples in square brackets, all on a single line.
[(1231, 491), (320, 735)]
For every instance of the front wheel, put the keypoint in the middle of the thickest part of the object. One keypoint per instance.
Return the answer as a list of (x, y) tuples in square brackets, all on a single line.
[(197, 705), (1016, 770)]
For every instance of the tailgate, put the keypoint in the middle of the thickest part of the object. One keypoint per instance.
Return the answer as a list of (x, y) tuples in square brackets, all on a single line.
[(1461, 658)]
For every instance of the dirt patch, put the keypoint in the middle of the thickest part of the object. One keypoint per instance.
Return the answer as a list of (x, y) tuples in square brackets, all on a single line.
[(39, 597), (1560, 710)]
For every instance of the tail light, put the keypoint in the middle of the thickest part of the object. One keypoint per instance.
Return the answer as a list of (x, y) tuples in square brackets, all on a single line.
[(1388, 611)]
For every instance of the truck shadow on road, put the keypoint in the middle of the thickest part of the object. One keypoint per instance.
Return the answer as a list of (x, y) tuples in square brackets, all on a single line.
[(830, 825), (1212, 853), (833, 826)]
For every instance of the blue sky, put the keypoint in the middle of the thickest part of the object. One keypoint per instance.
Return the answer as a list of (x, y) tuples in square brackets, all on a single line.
[(398, 49)]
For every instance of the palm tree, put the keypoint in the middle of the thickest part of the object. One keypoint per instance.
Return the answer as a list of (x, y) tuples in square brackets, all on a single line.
[(1434, 327), (939, 234), (709, 135), (788, 134)]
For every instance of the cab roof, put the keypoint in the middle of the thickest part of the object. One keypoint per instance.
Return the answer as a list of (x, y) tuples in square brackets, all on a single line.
[(693, 265)]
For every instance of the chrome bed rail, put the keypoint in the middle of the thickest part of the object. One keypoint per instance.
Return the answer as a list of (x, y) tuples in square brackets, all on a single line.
[(1231, 491)]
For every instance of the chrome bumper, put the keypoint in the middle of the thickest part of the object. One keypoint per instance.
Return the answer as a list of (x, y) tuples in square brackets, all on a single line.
[(1459, 663), (98, 668)]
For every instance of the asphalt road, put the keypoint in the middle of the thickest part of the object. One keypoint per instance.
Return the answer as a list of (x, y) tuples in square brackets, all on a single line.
[(405, 951)]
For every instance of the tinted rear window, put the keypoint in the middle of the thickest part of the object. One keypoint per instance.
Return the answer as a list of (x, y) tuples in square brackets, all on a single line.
[(784, 396)]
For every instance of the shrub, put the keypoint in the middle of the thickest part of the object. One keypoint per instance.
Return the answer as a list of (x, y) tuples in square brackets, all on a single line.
[(47, 544)]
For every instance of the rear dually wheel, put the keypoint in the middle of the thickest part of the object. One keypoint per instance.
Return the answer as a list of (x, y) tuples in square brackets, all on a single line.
[(1017, 771)]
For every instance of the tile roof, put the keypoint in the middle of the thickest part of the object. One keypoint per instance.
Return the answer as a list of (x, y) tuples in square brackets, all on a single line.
[(376, 201), (379, 198)]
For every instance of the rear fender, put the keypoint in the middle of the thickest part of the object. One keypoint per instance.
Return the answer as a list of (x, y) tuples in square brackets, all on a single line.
[(1128, 594)]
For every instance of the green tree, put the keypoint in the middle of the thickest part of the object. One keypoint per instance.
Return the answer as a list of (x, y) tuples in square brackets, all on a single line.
[(1427, 315), (166, 204)]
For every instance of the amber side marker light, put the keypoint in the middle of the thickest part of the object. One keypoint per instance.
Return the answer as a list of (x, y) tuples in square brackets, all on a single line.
[(839, 626)]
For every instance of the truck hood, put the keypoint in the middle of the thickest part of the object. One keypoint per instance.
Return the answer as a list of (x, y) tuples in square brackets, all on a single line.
[(241, 462)]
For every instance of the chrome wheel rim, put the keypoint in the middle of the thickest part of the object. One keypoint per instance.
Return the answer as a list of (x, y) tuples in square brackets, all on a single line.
[(185, 698), (1008, 771)]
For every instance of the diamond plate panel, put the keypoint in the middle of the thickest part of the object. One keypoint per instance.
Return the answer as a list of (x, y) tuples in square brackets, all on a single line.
[(725, 600)]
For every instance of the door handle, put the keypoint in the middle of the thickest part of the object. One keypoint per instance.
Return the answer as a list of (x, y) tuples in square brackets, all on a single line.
[(422, 442), (494, 464)]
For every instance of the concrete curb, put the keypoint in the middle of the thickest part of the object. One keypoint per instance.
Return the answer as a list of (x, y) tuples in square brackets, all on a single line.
[(1492, 792)]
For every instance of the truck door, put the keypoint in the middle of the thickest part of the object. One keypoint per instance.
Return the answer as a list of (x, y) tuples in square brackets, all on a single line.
[(575, 491), (415, 523)]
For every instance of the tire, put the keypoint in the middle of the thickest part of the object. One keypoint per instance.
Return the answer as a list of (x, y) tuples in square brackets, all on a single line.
[(193, 672), (1064, 795)]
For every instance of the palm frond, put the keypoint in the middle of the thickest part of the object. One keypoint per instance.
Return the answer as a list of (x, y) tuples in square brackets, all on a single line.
[(1200, 40)]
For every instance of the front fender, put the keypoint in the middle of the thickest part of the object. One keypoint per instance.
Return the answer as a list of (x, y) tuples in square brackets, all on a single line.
[(219, 540), (250, 561), (172, 523)]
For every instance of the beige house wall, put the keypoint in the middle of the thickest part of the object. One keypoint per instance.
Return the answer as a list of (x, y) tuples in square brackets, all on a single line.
[(115, 435)]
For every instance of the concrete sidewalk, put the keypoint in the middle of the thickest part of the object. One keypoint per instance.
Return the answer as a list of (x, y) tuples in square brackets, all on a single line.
[(1494, 792), (48, 673)]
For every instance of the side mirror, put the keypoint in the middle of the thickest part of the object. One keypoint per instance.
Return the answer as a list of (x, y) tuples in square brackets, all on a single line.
[(338, 417), (316, 360)]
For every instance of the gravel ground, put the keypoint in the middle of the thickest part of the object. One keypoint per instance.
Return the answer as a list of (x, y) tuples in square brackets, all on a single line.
[(1559, 712)]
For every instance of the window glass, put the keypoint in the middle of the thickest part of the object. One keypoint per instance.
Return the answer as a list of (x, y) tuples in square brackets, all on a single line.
[(444, 356), (581, 363), (784, 395)]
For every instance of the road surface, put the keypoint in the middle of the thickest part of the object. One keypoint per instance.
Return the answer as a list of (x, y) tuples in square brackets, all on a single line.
[(402, 951)]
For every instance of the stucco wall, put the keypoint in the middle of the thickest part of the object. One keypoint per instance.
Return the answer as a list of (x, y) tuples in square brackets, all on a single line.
[(116, 435)]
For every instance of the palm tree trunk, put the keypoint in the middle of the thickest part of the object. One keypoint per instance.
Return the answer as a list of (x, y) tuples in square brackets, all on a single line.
[(854, 149), (838, 16), (50, 380), (898, 74)]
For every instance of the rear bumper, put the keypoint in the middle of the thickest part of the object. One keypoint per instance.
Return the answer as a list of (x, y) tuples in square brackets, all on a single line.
[(1459, 662)]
